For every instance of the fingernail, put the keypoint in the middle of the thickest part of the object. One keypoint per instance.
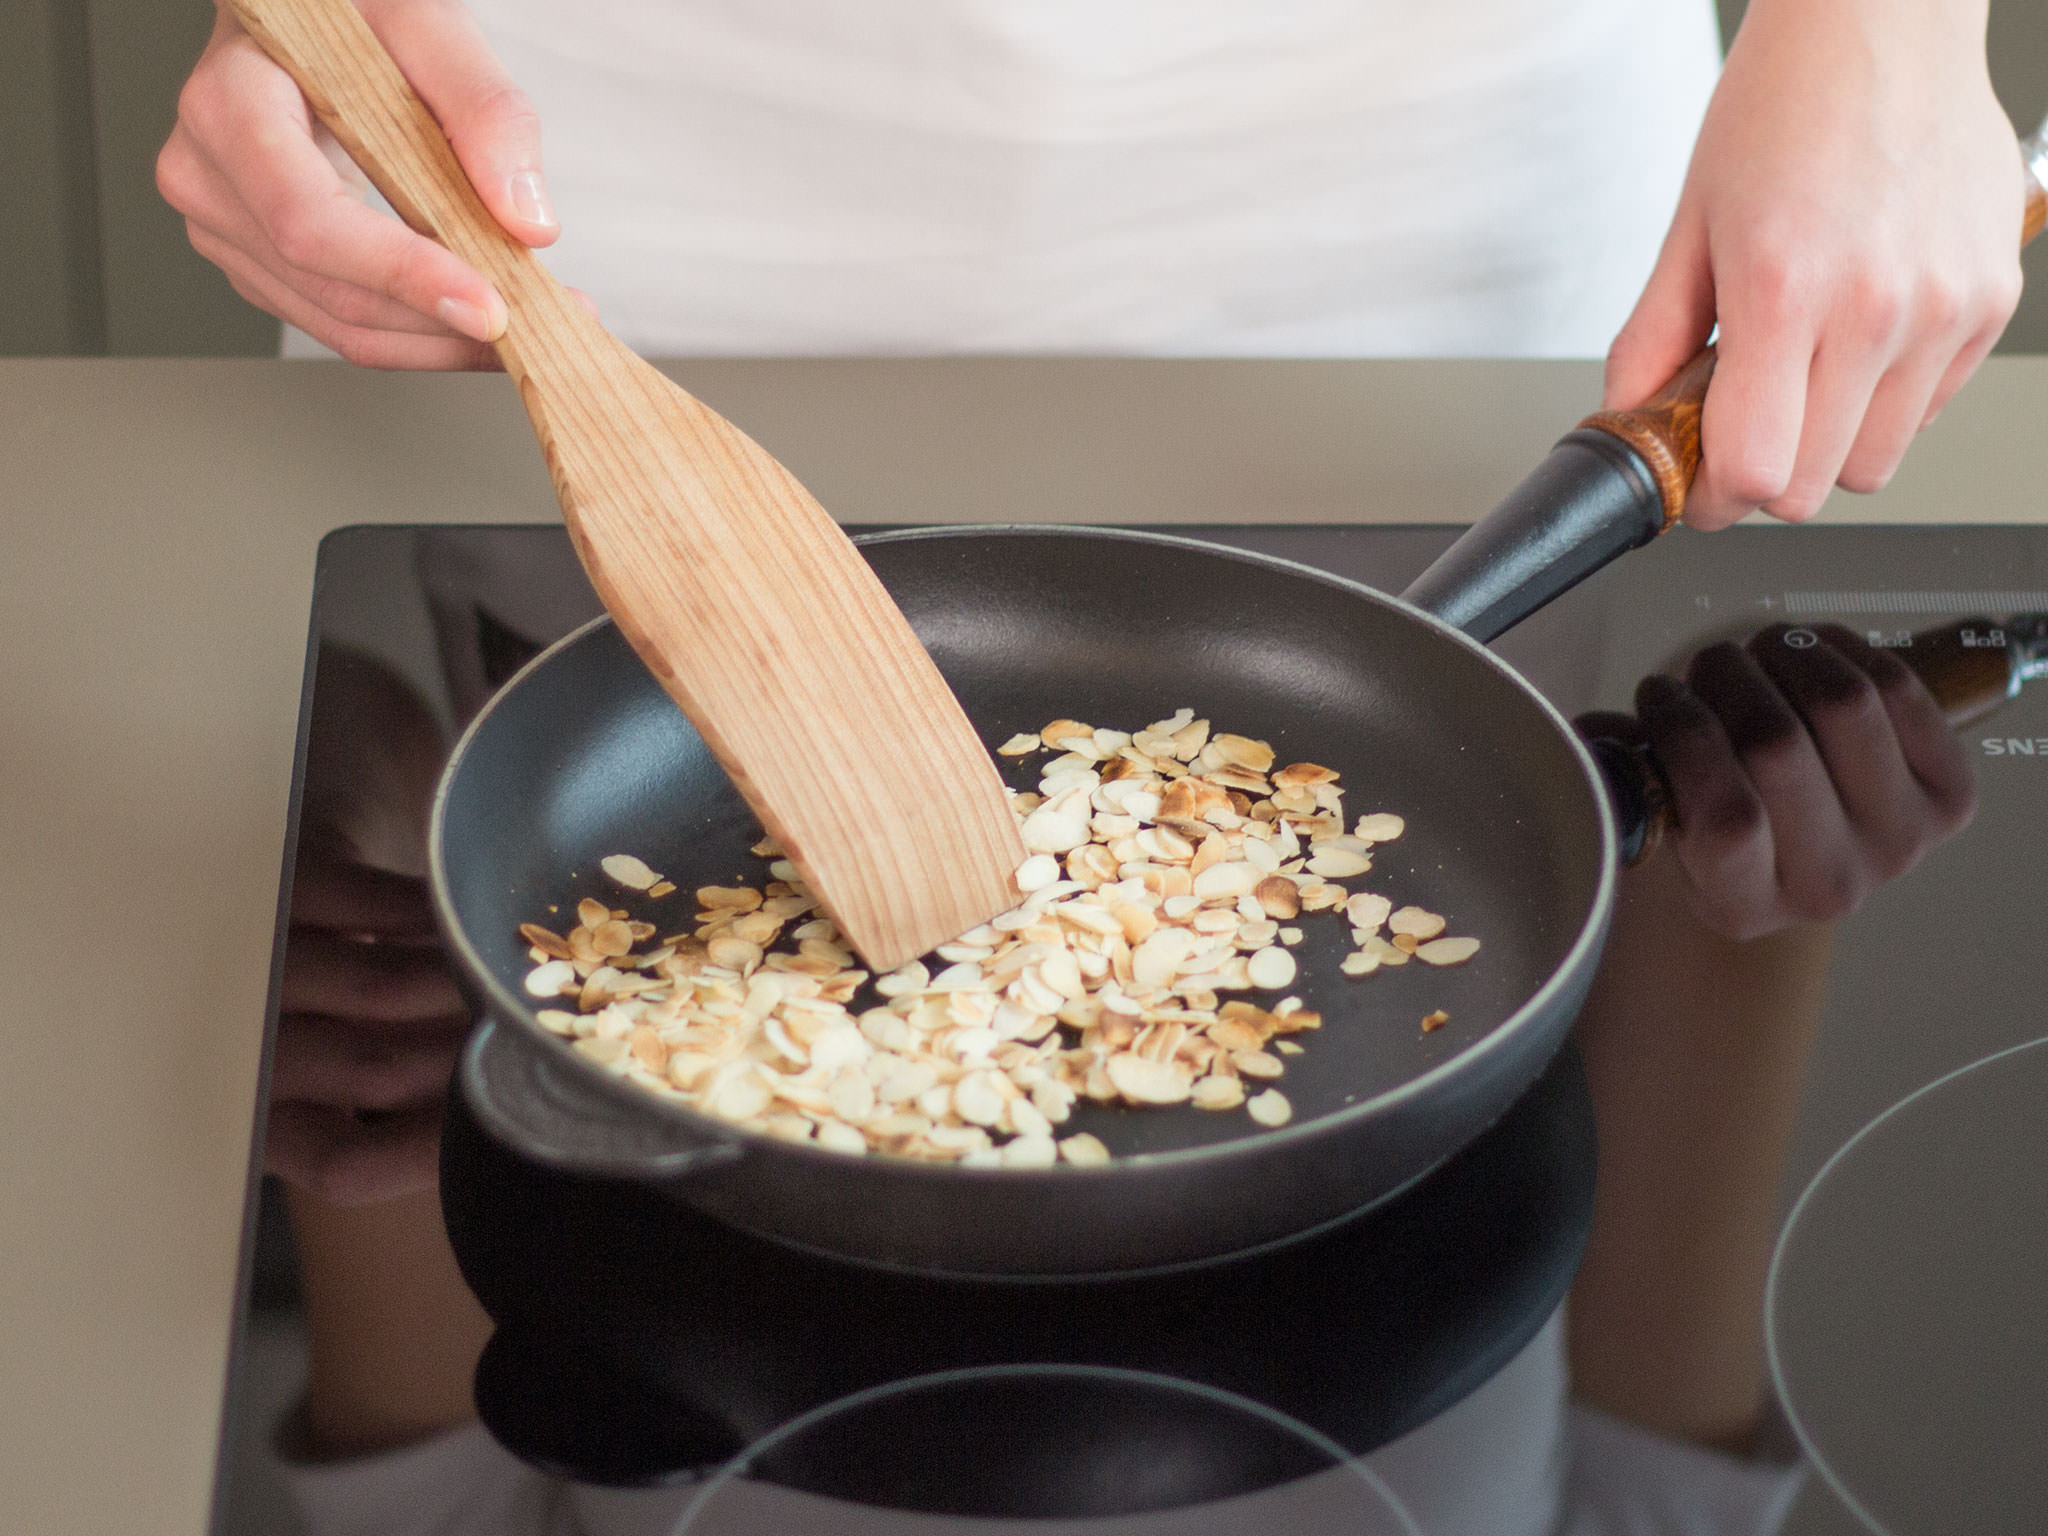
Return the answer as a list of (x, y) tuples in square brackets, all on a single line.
[(530, 200), (473, 322)]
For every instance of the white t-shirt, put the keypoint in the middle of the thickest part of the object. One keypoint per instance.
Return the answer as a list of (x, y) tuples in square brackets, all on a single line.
[(1306, 178)]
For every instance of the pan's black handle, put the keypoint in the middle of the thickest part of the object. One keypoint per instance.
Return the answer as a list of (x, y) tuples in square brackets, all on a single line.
[(542, 1108), (1609, 486), (1638, 793)]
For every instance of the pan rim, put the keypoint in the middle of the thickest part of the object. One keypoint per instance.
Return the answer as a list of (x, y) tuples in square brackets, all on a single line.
[(1579, 955)]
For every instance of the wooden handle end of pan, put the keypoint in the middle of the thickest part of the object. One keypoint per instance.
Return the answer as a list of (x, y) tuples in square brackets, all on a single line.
[(1664, 431)]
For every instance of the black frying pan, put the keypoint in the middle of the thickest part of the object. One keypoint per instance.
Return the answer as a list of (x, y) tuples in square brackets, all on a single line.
[(1510, 834)]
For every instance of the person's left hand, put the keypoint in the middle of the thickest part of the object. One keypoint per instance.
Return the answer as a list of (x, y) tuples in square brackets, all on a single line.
[(1851, 220), (369, 1026)]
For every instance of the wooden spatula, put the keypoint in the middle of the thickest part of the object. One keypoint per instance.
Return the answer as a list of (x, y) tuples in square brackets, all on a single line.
[(733, 584)]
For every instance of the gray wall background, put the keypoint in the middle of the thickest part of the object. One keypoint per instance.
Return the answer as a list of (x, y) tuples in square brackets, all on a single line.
[(95, 263)]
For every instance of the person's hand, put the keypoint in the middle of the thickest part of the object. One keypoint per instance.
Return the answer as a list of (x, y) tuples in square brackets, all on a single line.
[(1851, 220), (249, 168), (1801, 778), (369, 1026)]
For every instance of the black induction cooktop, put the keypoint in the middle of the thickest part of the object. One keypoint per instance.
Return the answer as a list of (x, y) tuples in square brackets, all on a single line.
[(637, 1343)]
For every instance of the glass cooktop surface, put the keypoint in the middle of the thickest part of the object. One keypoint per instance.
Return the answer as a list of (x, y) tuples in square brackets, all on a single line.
[(1804, 1239)]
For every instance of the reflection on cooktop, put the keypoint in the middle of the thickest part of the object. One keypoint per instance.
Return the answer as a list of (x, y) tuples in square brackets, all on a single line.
[(1838, 913)]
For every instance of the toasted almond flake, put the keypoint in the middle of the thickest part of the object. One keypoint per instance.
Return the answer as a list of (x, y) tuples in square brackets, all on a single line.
[(834, 1136), (957, 1138), (1026, 1119), (904, 979), (1278, 896), (629, 871), (551, 979), (1084, 1150), (1054, 1100), (1380, 827), (1145, 1081), (1271, 969), (1216, 1092), (734, 954), (1256, 1064), (1338, 863), (1384, 952), (687, 1069), (612, 938), (1431, 1022), (1241, 752), (738, 1092), (550, 944), (1226, 882), (1359, 963), (1415, 922), (1030, 1152), (1023, 744), (606, 1053), (1270, 1108), (1259, 934), (1454, 951), (662, 888), (1051, 830), (1319, 897), (738, 898), (851, 1095), (977, 1100)]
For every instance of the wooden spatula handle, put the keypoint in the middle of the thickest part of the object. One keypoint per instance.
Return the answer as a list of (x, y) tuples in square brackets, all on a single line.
[(357, 91), (736, 588)]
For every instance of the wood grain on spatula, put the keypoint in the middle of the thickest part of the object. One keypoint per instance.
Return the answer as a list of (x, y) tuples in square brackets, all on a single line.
[(736, 588)]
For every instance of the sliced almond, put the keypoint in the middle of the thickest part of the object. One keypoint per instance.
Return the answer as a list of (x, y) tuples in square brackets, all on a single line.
[(1241, 752), (1215, 1092), (1380, 827), (549, 943), (1144, 1081), (551, 979), (1270, 1108), (739, 898), (629, 871), (1271, 969), (1084, 1150), (1416, 922), (1257, 1064), (1454, 951), (1278, 896), (1338, 863)]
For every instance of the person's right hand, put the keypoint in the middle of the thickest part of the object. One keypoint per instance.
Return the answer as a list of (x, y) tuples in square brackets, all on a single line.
[(247, 167)]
